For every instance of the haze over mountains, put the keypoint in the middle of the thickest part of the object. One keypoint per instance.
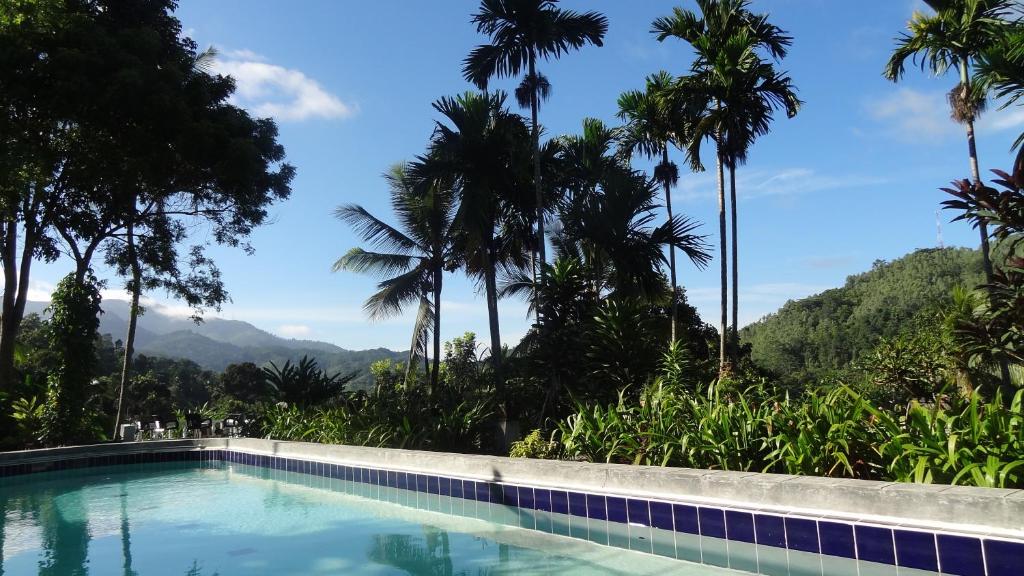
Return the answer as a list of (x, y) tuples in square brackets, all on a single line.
[(216, 342)]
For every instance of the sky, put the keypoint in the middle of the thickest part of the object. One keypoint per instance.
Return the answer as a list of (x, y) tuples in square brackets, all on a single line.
[(852, 179)]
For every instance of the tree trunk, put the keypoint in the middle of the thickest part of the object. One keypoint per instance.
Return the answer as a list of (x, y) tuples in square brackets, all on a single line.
[(133, 319), (491, 287), (435, 374), (986, 257), (541, 247), (671, 247), (972, 152), (723, 326), (8, 323), (735, 335)]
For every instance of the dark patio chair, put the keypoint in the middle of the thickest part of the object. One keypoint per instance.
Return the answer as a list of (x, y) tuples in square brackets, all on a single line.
[(170, 425), (196, 426)]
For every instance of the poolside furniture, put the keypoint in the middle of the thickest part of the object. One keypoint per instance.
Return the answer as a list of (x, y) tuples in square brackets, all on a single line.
[(232, 425), (196, 426), (170, 425), (129, 431), (149, 425)]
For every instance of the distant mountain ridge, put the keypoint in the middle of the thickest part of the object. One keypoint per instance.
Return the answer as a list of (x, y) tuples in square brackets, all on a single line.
[(217, 342)]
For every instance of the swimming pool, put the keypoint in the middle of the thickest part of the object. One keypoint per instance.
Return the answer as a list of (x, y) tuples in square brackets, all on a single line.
[(201, 519), (233, 506)]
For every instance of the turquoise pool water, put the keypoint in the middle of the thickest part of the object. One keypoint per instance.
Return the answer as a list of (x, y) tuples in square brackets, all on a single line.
[(186, 519)]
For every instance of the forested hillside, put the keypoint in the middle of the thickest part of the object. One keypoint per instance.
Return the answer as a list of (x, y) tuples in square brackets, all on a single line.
[(812, 337)]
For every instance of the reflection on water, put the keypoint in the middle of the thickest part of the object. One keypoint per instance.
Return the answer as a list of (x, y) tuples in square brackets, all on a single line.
[(223, 522)]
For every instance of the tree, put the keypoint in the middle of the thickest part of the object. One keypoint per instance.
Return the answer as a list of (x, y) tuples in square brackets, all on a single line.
[(1002, 68), (522, 31), (414, 258), (654, 121), (246, 382), (953, 38), (305, 384), (481, 150), (74, 319), (727, 37)]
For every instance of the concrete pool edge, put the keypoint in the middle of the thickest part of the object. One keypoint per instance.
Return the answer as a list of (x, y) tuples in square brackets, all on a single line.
[(735, 516), (988, 511)]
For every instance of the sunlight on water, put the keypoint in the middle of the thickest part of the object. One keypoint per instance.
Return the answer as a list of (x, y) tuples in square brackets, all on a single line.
[(186, 521)]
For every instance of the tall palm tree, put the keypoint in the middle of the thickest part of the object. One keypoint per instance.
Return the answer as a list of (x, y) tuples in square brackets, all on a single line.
[(608, 221), (1002, 68), (727, 39), (522, 31), (413, 256), (654, 121), (482, 150), (953, 38)]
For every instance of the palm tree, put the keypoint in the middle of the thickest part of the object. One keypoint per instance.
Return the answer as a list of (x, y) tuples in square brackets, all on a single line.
[(608, 220), (482, 150), (1002, 68), (954, 37), (522, 31), (655, 120), (726, 37), (412, 260)]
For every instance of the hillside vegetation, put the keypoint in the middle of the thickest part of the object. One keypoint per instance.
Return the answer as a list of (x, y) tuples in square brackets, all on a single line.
[(813, 337)]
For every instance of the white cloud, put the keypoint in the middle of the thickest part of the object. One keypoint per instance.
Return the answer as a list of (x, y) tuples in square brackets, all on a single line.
[(913, 116), (753, 184), (923, 117), (283, 93), (294, 330)]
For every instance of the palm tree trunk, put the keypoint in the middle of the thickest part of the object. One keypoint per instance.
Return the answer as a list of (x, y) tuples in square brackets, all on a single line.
[(722, 325), (541, 248), (735, 334), (972, 152), (435, 374), (491, 287), (133, 319), (671, 247)]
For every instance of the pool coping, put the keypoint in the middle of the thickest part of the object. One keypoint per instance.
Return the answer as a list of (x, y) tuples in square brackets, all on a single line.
[(835, 512)]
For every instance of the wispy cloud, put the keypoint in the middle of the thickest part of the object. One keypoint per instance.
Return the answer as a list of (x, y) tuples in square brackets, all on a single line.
[(754, 184), (270, 90), (912, 115), (294, 331), (918, 116)]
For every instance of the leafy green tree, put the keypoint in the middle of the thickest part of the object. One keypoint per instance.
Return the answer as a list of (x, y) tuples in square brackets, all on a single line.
[(954, 37), (737, 91), (522, 31), (305, 384), (246, 382), (74, 319), (482, 149), (414, 258), (656, 120), (1002, 68)]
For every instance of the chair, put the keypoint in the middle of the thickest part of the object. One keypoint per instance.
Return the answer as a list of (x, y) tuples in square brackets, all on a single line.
[(150, 425), (170, 425), (233, 424), (196, 426)]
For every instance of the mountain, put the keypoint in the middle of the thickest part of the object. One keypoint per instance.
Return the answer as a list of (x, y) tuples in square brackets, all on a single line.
[(809, 338), (216, 342)]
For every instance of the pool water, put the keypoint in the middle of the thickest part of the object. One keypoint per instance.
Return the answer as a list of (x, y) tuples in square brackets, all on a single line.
[(190, 519)]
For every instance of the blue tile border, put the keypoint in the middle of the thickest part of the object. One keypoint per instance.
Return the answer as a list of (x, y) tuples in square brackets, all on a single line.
[(929, 551)]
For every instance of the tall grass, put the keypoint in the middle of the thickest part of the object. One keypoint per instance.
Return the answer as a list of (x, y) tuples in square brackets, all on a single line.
[(835, 432)]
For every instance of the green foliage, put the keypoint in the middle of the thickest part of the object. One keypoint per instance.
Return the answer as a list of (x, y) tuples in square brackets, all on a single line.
[(27, 414), (305, 383), (534, 446), (74, 319), (808, 339), (835, 432)]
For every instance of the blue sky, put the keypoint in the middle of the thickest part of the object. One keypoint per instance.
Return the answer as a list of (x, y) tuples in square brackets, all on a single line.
[(853, 178)]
